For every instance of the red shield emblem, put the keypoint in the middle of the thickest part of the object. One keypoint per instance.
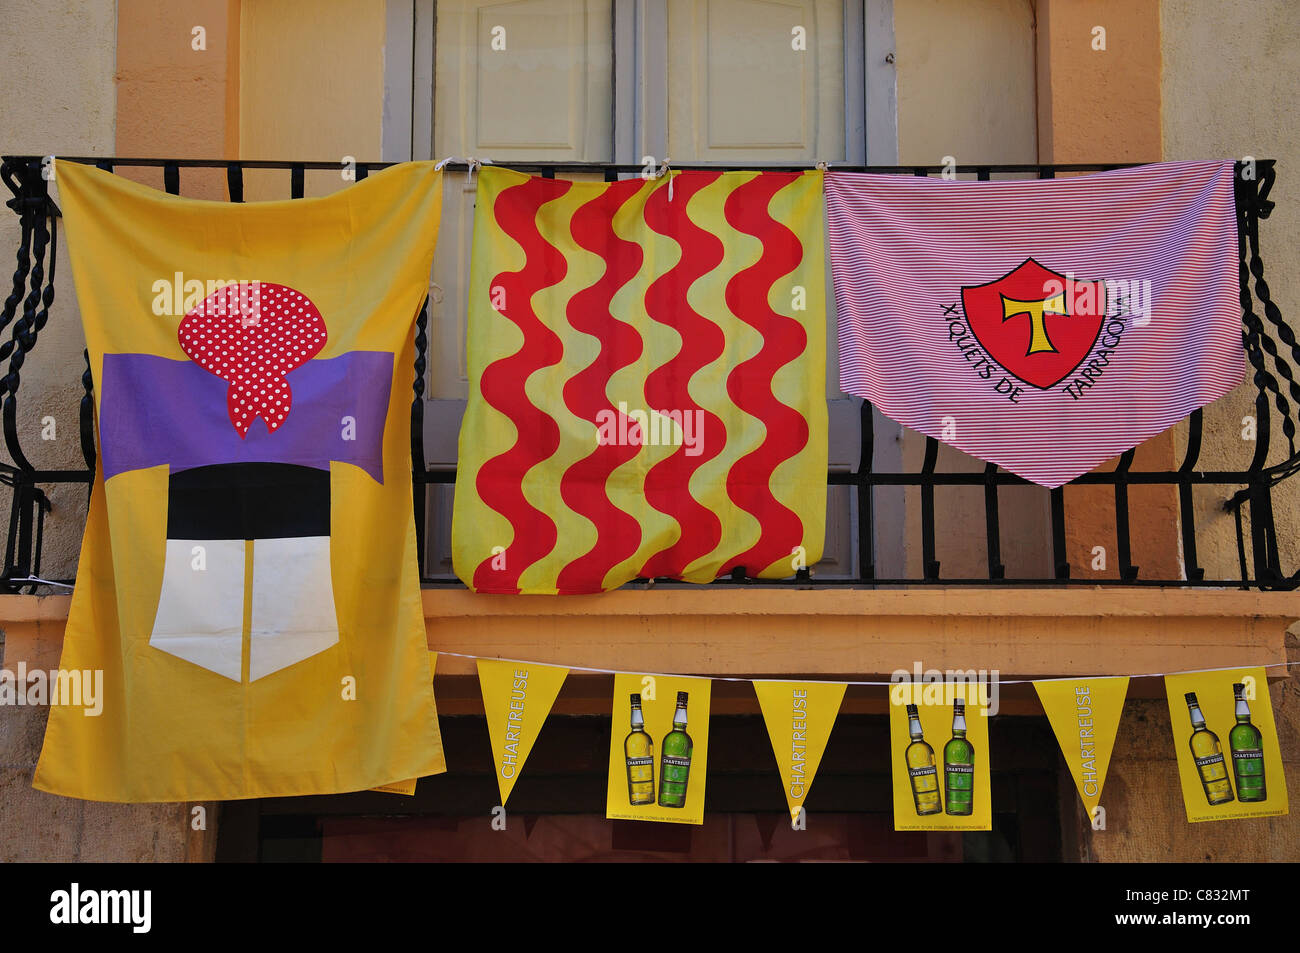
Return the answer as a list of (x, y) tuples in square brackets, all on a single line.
[(1037, 324)]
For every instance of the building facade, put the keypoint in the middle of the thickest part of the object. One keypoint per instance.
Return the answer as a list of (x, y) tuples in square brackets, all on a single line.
[(884, 82)]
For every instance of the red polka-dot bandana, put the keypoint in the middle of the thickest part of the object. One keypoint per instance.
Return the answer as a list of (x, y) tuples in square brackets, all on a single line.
[(251, 334)]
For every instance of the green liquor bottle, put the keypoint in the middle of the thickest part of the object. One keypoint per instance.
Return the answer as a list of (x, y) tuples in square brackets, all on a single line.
[(640, 752), (919, 758), (959, 766), (675, 761), (1247, 746), (1208, 755)]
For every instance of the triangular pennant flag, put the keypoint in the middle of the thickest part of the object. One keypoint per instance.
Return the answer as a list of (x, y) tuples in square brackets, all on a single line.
[(766, 824), (517, 697), (1085, 713), (799, 717)]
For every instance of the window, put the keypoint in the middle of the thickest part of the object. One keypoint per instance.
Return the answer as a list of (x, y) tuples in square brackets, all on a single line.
[(734, 82)]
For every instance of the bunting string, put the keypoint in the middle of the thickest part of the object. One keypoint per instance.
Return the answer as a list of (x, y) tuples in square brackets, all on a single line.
[(839, 681)]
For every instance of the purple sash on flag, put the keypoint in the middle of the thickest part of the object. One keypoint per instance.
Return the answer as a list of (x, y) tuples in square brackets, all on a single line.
[(155, 410)]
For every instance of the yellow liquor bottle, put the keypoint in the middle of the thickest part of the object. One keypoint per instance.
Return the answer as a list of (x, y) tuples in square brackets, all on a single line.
[(639, 749), (921, 771), (1208, 755)]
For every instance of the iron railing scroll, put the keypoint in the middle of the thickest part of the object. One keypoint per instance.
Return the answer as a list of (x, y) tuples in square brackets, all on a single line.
[(1270, 344)]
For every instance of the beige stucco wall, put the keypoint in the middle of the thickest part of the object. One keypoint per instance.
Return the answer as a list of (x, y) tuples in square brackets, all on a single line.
[(59, 63), (965, 81), (60, 60), (1229, 88)]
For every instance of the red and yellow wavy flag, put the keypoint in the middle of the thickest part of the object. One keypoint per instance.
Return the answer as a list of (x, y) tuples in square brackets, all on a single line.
[(647, 369)]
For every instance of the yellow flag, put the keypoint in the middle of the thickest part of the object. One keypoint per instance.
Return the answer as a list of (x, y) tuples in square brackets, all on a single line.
[(407, 787), (1229, 762), (517, 697), (799, 718), (658, 749), (646, 364), (1085, 713), (939, 754), (248, 581)]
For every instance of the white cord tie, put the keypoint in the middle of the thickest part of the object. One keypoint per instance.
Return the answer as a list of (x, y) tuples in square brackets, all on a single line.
[(665, 170), (474, 164)]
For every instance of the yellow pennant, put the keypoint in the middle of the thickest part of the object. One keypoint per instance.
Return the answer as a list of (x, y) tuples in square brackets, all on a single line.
[(407, 787), (799, 717), (939, 755), (517, 697), (1229, 763), (1085, 713), (658, 749)]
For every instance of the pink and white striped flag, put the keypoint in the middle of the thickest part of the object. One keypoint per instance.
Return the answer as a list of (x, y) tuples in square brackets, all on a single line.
[(1043, 325)]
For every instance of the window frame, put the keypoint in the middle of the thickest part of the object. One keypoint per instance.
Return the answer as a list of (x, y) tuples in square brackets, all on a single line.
[(640, 81), (640, 129)]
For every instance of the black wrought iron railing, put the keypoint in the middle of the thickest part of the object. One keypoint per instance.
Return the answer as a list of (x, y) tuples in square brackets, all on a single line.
[(1248, 492)]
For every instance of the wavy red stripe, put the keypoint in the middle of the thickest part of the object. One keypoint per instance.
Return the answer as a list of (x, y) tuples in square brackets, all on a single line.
[(500, 480), (583, 485), (750, 383), (667, 485)]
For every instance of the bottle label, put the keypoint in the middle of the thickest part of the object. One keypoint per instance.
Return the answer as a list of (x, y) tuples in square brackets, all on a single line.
[(925, 784), (960, 777), (676, 771), (1248, 762), (640, 769), (672, 784), (1212, 767)]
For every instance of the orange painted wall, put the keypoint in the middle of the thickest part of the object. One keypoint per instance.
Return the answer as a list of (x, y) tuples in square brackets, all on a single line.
[(1103, 105), (173, 100), (1098, 105)]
